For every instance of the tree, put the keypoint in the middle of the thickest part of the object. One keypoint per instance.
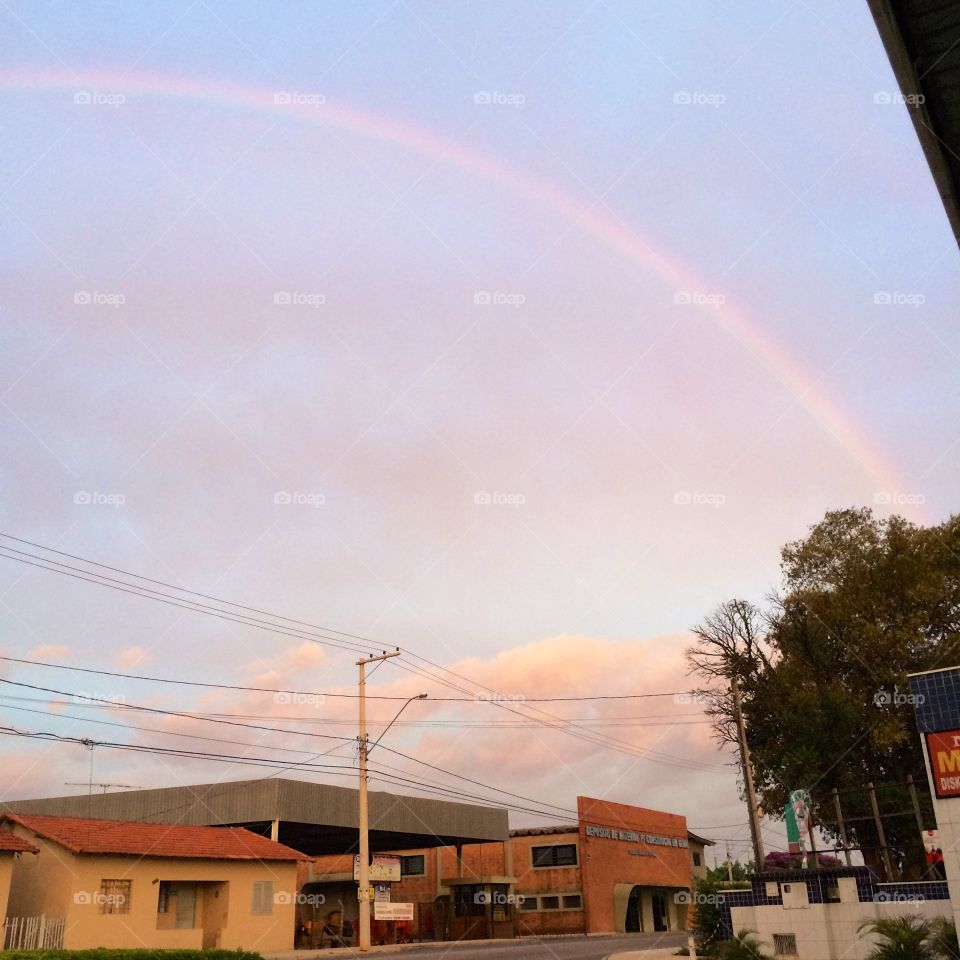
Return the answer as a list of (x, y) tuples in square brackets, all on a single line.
[(707, 916), (822, 671), (731, 645), (740, 872)]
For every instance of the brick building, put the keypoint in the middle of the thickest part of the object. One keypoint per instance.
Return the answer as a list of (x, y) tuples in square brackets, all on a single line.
[(619, 868)]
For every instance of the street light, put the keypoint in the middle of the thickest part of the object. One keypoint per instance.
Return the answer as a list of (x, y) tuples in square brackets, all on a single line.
[(419, 696), (363, 885)]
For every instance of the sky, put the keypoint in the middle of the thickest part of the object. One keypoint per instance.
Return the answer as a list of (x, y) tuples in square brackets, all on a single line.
[(515, 335)]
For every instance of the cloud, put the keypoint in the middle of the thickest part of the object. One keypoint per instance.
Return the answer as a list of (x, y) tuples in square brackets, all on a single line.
[(132, 657), (50, 652)]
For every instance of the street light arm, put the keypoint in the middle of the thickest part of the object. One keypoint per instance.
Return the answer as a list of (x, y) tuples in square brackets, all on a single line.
[(419, 696)]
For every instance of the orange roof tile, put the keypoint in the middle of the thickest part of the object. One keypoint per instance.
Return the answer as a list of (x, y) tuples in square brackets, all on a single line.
[(82, 835), (11, 843)]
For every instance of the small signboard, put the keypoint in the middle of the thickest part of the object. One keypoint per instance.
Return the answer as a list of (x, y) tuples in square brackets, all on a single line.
[(392, 911), (382, 869), (381, 893), (943, 749)]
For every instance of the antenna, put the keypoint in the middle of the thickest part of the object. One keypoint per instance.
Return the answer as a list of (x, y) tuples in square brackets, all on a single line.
[(103, 786)]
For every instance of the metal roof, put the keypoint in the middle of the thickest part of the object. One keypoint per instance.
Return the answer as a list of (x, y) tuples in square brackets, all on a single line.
[(921, 40), (316, 818)]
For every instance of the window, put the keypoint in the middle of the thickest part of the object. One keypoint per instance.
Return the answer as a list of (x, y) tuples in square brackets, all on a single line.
[(526, 902), (559, 855), (262, 898), (572, 901), (697, 862), (549, 903), (412, 866), (114, 896), (785, 944)]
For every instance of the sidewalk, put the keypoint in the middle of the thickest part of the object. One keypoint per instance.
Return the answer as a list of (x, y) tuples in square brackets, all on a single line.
[(658, 953)]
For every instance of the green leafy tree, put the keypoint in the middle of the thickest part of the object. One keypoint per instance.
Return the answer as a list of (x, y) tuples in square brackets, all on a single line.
[(823, 671), (739, 872), (900, 938)]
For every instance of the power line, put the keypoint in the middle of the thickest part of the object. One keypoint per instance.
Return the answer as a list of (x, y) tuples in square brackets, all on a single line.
[(547, 719), (454, 724), (179, 713), (301, 733), (306, 693), (262, 762)]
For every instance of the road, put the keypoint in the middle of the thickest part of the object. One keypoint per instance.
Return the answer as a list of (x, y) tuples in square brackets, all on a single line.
[(547, 948)]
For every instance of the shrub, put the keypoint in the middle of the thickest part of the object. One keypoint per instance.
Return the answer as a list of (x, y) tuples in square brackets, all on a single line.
[(943, 939), (745, 945), (900, 938), (707, 929), (781, 860)]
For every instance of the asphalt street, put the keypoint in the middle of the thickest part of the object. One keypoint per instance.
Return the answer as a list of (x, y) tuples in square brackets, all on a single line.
[(547, 948)]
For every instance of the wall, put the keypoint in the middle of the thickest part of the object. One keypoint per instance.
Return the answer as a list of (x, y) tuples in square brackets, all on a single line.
[(607, 863), (59, 883), (828, 930), (6, 871)]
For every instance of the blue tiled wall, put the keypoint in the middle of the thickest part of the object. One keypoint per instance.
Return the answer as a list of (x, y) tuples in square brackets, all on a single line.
[(937, 698), (818, 882)]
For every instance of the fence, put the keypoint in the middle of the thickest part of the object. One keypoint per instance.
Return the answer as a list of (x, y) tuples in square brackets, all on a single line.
[(33, 933)]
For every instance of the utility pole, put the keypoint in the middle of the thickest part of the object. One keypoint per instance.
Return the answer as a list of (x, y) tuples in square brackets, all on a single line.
[(363, 887), (729, 864), (755, 834)]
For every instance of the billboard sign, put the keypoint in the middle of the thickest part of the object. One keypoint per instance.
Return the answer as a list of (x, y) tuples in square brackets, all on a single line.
[(943, 751), (382, 869)]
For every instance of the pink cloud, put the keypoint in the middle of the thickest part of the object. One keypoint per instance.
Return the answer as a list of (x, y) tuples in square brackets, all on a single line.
[(132, 657)]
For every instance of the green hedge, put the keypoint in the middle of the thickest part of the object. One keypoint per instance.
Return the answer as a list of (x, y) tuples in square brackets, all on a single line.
[(104, 954)]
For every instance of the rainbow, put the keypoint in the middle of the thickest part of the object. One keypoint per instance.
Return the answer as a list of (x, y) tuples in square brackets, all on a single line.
[(632, 246)]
